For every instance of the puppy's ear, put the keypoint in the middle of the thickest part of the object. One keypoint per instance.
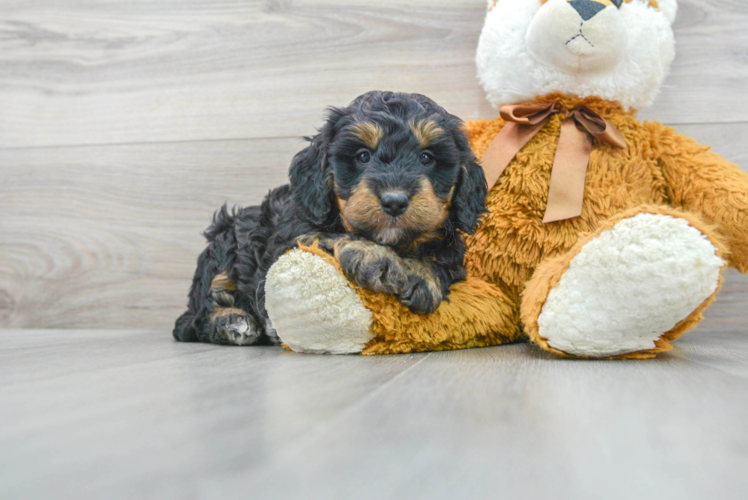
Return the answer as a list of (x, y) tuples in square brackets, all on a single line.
[(469, 199), (311, 177), (309, 182)]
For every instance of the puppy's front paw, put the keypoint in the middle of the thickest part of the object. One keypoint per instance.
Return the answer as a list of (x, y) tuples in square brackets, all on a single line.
[(310, 239), (325, 241), (372, 266), (422, 296)]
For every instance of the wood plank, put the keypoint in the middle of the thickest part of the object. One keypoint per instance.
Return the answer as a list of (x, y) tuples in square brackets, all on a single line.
[(718, 349), (108, 236), (141, 416), (85, 352), (93, 72), (517, 421), (32, 338), (177, 71), (711, 42), (720, 340)]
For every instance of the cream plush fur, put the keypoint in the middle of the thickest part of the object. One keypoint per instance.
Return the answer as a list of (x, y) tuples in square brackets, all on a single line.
[(326, 315), (629, 286), (522, 53)]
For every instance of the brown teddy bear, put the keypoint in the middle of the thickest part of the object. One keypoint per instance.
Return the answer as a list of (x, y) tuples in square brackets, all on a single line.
[(606, 237)]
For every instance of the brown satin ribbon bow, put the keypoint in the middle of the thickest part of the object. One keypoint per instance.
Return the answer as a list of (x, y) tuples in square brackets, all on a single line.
[(566, 192)]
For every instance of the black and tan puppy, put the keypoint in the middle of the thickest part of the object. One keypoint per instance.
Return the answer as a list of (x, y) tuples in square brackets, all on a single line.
[(385, 186)]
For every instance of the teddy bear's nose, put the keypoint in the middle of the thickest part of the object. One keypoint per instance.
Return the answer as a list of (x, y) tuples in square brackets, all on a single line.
[(587, 8)]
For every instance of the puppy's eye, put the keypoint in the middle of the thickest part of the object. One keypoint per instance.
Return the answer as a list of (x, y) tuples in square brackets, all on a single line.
[(617, 3), (427, 158), (363, 157)]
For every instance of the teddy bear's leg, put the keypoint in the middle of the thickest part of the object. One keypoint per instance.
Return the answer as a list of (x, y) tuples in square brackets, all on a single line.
[(627, 290), (700, 181), (315, 308)]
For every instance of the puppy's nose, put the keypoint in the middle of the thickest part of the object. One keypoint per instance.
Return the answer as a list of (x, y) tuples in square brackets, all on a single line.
[(394, 204), (587, 8)]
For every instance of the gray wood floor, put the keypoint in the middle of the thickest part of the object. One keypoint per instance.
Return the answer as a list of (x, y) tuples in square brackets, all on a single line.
[(131, 414), (123, 125)]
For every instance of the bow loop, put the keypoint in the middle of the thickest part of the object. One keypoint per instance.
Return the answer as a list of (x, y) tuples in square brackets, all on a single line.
[(530, 114), (598, 127), (566, 193)]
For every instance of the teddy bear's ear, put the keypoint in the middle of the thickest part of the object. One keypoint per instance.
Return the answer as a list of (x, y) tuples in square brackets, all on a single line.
[(669, 8)]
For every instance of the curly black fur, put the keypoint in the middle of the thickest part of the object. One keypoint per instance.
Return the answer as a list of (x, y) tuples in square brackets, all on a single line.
[(418, 264)]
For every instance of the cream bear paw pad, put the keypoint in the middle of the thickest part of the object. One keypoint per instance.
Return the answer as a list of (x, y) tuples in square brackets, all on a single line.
[(313, 308), (629, 286)]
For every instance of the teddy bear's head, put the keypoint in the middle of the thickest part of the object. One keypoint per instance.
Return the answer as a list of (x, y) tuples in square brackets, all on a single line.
[(614, 49)]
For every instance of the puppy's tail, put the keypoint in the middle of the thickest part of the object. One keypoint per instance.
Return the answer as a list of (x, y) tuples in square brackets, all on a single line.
[(185, 329), (223, 221)]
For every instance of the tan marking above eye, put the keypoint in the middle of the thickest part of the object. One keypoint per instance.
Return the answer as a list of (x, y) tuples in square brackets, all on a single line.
[(426, 131), (369, 133)]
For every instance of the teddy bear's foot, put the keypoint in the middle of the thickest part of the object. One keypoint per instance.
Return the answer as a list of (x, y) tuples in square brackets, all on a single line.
[(630, 288), (312, 307)]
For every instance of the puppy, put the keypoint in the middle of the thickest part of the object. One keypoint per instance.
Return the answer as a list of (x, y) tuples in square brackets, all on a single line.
[(386, 186)]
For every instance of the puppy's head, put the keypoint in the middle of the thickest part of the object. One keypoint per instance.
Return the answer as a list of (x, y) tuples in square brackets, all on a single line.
[(396, 168)]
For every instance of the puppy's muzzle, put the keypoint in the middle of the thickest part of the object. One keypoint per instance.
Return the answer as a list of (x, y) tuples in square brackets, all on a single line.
[(394, 203)]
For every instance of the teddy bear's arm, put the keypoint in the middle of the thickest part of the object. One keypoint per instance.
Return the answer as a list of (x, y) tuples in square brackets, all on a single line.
[(703, 182), (315, 308)]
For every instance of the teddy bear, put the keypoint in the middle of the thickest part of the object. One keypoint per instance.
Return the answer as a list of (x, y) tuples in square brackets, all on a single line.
[(606, 237)]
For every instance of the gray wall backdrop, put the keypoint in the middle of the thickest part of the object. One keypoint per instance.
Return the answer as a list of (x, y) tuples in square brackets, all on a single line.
[(123, 125)]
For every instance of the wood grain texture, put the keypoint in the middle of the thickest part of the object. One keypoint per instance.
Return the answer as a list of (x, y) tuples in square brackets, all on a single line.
[(187, 70), (117, 414), (106, 236), (707, 79), (520, 424), (108, 72), (133, 413), (102, 234)]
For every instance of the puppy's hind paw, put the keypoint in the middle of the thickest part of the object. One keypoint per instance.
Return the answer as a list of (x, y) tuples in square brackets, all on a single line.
[(235, 327)]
